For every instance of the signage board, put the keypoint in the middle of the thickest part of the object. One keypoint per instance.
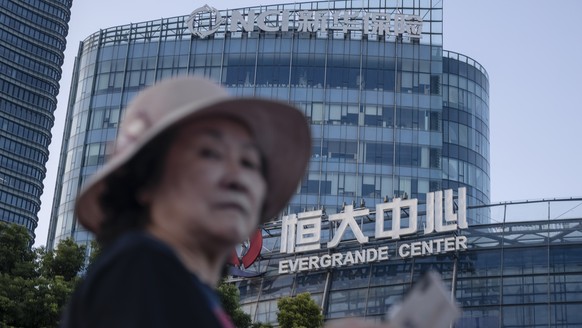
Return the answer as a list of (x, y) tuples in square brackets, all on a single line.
[(206, 20), (302, 232)]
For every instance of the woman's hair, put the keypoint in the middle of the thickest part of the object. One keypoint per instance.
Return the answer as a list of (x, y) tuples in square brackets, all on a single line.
[(120, 201)]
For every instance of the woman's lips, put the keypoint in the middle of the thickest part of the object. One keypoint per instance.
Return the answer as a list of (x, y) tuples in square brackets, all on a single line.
[(231, 206)]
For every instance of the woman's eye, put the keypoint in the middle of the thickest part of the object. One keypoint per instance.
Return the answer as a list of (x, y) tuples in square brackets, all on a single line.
[(209, 153), (250, 164)]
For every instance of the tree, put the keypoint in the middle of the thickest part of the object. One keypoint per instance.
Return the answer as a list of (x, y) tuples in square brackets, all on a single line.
[(35, 284), (16, 257), (230, 299), (299, 312), (67, 260), (95, 250)]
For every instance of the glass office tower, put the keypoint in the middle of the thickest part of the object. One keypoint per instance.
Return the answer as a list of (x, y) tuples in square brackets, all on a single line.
[(392, 114), (31, 54)]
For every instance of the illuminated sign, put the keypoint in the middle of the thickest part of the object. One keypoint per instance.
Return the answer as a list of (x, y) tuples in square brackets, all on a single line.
[(207, 20), (302, 232)]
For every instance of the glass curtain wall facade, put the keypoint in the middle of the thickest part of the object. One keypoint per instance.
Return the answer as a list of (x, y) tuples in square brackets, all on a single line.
[(375, 101), (521, 270), (465, 153), (31, 54)]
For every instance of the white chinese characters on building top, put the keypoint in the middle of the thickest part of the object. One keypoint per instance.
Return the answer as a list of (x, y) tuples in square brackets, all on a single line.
[(207, 20)]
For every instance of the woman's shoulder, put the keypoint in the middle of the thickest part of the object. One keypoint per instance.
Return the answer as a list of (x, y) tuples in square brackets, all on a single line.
[(135, 243), (137, 279), (135, 252), (136, 269)]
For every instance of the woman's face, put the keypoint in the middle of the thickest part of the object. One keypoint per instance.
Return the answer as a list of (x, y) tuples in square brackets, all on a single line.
[(212, 187)]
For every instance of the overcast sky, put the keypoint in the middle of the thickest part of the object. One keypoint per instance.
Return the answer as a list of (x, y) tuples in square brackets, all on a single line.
[(530, 48)]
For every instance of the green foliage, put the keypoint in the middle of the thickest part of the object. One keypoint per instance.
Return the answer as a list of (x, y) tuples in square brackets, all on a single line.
[(261, 325), (16, 257), (299, 312), (34, 302), (229, 296), (66, 261), (230, 299), (35, 284), (95, 251)]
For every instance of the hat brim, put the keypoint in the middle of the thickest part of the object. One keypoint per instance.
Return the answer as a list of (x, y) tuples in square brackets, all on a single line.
[(280, 131)]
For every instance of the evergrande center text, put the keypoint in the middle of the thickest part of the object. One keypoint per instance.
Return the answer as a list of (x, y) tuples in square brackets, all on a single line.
[(405, 250)]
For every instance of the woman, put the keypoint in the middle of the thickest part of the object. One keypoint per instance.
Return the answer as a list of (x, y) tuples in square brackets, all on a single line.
[(193, 173)]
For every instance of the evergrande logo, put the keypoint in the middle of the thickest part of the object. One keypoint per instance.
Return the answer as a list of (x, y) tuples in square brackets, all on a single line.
[(248, 252), (202, 30)]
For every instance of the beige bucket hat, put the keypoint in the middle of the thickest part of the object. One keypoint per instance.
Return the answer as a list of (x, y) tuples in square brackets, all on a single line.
[(281, 132)]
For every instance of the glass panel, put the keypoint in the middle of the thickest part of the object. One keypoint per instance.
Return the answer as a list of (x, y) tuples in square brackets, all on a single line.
[(350, 278), (347, 303), (525, 316), (381, 298), (565, 259), (566, 315), (310, 283), (276, 286), (479, 318), (525, 289), (478, 292), (521, 261), (249, 290), (566, 288)]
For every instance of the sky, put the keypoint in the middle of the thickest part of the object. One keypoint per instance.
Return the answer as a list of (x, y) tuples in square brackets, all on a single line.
[(531, 50)]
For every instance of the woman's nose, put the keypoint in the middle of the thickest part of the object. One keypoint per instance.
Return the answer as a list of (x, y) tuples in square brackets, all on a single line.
[(234, 176)]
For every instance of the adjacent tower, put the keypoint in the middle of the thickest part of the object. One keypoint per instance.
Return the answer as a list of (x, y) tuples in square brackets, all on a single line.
[(33, 36)]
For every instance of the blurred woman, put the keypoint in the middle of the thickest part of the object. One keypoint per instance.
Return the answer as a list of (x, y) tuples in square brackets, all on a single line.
[(193, 173)]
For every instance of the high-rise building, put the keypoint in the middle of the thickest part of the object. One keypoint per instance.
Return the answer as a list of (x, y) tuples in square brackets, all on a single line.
[(31, 54), (392, 113)]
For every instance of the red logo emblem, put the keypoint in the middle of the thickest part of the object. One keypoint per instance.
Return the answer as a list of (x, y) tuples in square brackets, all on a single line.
[(248, 252)]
